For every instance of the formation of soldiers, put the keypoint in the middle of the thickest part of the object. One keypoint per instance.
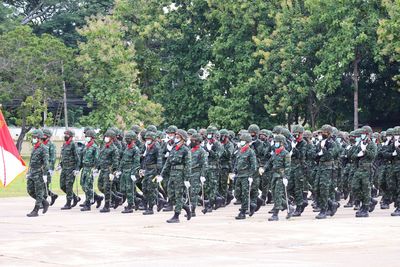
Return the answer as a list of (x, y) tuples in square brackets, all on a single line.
[(175, 170)]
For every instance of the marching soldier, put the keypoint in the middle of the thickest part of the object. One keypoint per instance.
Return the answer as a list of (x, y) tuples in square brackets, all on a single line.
[(51, 151)]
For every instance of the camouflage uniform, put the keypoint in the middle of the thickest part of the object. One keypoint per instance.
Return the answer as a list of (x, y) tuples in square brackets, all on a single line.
[(51, 151), (226, 166)]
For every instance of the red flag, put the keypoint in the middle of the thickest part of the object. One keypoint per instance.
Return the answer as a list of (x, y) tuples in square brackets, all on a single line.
[(11, 163)]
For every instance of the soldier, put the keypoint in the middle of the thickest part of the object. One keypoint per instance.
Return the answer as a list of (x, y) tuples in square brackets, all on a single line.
[(396, 170), (214, 150), (107, 163), (244, 170), (325, 150), (178, 166), (88, 162), (265, 137), (198, 169), (37, 174), (386, 185), (350, 167), (297, 175), (361, 184), (151, 167), (166, 149), (226, 166), (279, 166), (69, 165), (310, 161), (129, 167), (51, 151)]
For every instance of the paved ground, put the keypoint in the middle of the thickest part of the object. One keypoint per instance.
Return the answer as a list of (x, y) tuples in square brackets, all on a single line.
[(71, 238)]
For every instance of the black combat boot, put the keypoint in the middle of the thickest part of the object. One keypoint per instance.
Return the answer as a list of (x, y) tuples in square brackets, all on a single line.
[(168, 207), (98, 200), (241, 215), (229, 198), (271, 211), (274, 216), (149, 211), (193, 211), (45, 206), (356, 205), (264, 199), (305, 204), (321, 215), (188, 212), (34, 212), (160, 204), (106, 207), (363, 212), (237, 202), (67, 206), (260, 202), (253, 208), (76, 201), (349, 203), (53, 199), (385, 205), (86, 206), (174, 219), (128, 209), (269, 197), (372, 205), (297, 212), (396, 212), (333, 206)]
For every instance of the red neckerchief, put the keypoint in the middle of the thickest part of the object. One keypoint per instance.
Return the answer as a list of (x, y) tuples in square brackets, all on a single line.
[(225, 141), (37, 145), (46, 141), (195, 148), (108, 144), (69, 141), (149, 147), (279, 150), (177, 147), (90, 144), (212, 140), (245, 148), (298, 140), (130, 145)]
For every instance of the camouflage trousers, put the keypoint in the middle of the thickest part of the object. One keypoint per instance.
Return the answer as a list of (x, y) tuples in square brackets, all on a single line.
[(128, 186), (48, 192), (386, 183), (278, 192), (67, 180), (35, 187), (254, 188), (361, 185), (296, 183), (242, 191), (265, 183), (195, 188), (176, 187), (149, 187), (396, 183), (223, 182), (210, 186), (322, 187), (104, 185), (87, 184)]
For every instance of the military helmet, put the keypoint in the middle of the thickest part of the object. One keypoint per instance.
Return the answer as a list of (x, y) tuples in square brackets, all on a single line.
[(152, 128), (69, 132), (352, 134), (110, 133), (367, 129), (286, 133), (307, 134), (171, 129), (47, 132), (245, 137), (396, 130), (253, 128), (191, 131), (136, 128), (37, 133), (383, 133), (224, 132), (150, 135), (340, 135), (264, 132), (87, 128), (390, 132), (375, 135), (160, 134), (280, 138), (211, 129), (231, 134), (335, 131), (297, 129), (358, 132), (203, 131), (277, 129), (197, 137), (131, 135), (182, 133), (90, 133), (326, 128)]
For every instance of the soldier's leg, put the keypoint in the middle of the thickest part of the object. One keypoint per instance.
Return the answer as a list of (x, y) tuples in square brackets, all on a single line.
[(39, 189), (63, 181), (30, 188), (279, 194), (84, 186), (69, 183), (365, 188), (223, 187), (244, 183), (317, 187), (194, 189), (238, 189), (299, 185), (178, 192), (356, 185), (254, 189), (396, 198)]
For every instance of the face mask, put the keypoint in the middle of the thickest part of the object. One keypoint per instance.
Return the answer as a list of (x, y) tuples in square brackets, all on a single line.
[(374, 140), (188, 142), (148, 142), (313, 139), (339, 139), (242, 143), (209, 136), (66, 137), (358, 139), (88, 139), (34, 140), (396, 137), (177, 140), (170, 137), (363, 136), (389, 138), (277, 145), (107, 139), (320, 137)]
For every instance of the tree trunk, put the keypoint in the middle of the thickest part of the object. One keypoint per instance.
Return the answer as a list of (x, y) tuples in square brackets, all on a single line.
[(24, 130), (313, 108), (355, 84)]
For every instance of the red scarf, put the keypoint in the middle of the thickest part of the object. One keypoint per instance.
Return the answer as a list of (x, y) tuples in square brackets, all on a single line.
[(245, 148), (108, 144), (90, 143), (37, 145), (69, 141), (130, 145), (46, 141), (149, 147), (279, 150), (177, 147), (195, 148)]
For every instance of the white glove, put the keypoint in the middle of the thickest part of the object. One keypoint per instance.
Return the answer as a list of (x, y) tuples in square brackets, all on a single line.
[(209, 146), (58, 168), (360, 154), (75, 173), (141, 173), (323, 142), (111, 176), (169, 147), (159, 178), (363, 146), (118, 174), (272, 143), (272, 152), (51, 172), (397, 143), (133, 178), (261, 171), (294, 144), (231, 176), (45, 179), (95, 173), (285, 181), (394, 153), (348, 147), (167, 154), (250, 180), (320, 153), (187, 184), (202, 179)]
